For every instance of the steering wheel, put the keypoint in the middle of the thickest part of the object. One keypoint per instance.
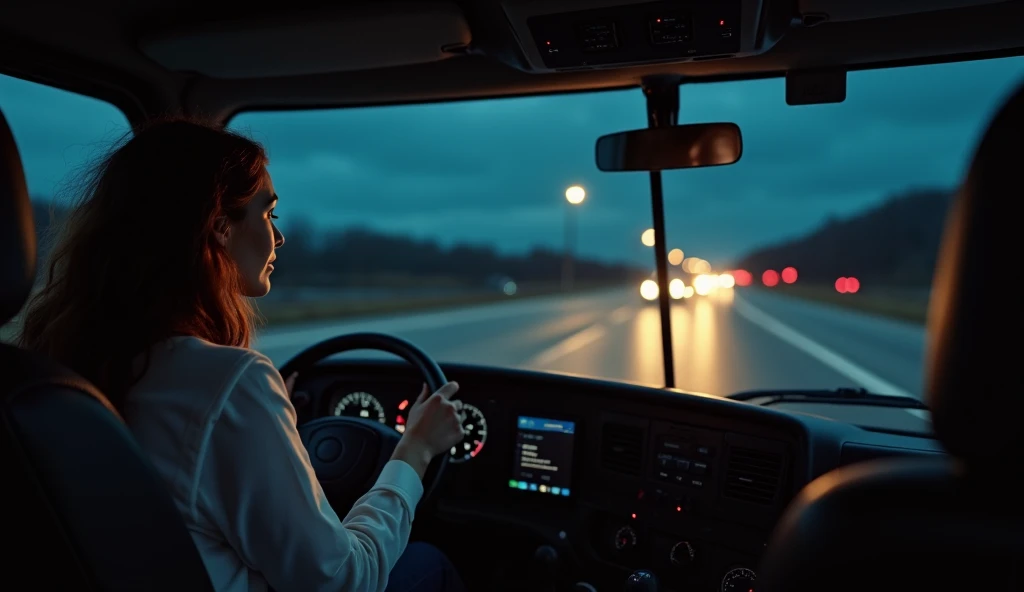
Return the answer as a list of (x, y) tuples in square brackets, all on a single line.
[(348, 453)]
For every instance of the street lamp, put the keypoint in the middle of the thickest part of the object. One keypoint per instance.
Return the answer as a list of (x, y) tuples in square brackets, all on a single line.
[(647, 238), (574, 196)]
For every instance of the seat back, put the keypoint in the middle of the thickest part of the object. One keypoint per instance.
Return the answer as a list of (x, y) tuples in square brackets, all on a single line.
[(84, 510), (952, 522)]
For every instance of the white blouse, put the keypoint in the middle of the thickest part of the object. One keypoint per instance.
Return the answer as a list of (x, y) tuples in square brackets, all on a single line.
[(219, 427)]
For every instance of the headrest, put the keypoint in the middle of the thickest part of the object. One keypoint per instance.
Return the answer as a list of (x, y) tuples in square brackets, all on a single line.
[(973, 380), (17, 231)]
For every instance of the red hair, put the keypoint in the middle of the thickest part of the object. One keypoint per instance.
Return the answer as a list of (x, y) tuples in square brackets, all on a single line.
[(138, 260)]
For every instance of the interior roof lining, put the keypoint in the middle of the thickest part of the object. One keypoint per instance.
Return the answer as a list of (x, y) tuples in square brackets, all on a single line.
[(110, 68)]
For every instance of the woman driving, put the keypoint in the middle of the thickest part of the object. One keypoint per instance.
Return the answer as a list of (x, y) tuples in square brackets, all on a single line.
[(147, 295)]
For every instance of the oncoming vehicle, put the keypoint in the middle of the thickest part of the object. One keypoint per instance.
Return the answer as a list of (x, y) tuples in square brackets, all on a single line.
[(814, 403)]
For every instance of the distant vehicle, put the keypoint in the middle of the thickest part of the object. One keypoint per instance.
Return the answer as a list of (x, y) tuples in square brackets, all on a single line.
[(678, 287)]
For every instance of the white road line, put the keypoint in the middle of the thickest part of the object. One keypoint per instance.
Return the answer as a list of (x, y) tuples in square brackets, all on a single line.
[(570, 344), (580, 339), (622, 314), (833, 360)]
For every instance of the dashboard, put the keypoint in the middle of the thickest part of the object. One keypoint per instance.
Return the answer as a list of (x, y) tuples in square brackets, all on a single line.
[(615, 477)]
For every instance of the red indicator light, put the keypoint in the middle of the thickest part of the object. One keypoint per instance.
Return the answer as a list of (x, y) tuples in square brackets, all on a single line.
[(634, 516)]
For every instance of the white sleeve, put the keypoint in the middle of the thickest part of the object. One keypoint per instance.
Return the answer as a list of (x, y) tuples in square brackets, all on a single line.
[(257, 485)]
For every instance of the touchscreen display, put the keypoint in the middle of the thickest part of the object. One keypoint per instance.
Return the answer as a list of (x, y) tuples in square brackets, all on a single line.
[(543, 456)]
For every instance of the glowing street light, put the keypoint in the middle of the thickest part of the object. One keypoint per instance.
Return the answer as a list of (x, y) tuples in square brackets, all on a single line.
[(647, 238), (574, 196)]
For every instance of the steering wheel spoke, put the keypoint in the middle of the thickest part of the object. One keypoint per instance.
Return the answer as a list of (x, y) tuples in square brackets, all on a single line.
[(348, 453)]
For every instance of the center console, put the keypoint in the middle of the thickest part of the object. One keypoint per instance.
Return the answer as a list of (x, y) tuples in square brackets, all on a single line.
[(609, 493), (543, 456)]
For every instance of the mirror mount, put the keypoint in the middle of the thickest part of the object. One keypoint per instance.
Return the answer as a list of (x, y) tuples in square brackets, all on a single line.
[(662, 93)]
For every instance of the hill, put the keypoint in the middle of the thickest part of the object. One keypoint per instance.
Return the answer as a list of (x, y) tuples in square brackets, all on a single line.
[(894, 244)]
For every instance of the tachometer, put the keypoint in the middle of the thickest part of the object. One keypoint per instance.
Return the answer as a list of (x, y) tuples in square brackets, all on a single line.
[(360, 404), (474, 423), (739, 579), (475, 426)]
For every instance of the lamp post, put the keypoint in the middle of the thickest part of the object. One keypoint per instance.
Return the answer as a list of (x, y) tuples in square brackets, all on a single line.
[(574, 196)]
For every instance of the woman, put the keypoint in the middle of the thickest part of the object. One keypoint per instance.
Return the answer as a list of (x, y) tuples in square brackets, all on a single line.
[(147, 297)]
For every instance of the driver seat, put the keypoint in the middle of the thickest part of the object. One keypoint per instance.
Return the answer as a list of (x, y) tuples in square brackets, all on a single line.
[(953, 523), (83, 500)]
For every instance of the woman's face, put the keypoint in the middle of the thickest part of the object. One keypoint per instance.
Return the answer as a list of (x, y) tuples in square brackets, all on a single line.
[(251, 241)]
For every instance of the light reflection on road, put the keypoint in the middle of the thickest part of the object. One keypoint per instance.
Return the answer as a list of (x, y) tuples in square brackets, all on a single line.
[(645, 347)]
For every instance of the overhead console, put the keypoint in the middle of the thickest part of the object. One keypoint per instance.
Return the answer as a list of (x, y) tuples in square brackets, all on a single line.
[(566, 35)]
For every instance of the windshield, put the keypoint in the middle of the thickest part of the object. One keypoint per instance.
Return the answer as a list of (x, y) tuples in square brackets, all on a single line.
[(805, 265), (483, 232)]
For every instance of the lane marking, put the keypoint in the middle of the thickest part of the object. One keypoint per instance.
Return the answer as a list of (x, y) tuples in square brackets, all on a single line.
[(580, 339), (622, 314), (826, 356), (570, 344)]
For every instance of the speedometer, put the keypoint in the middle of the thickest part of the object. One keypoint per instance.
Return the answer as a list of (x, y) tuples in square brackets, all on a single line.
[(739, 579), (475, 426), (360, 404), (474, 423)]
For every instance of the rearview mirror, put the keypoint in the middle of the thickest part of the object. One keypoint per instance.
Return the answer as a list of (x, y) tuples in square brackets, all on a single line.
[(675, 147)]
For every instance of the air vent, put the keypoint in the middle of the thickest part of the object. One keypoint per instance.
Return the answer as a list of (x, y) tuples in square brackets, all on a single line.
[(622, 448), (752, 475)]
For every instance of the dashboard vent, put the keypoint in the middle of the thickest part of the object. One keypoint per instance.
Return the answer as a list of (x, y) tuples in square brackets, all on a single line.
[(622, 448), (753, 475)]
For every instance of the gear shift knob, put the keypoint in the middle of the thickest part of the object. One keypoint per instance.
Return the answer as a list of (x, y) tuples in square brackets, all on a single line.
[(642, 581)]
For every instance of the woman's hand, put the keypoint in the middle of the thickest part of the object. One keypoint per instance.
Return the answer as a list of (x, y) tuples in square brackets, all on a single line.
[(433, 427)]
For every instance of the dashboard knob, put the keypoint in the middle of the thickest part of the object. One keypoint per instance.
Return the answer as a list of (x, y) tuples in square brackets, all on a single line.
[(642, 581), (682, 554)]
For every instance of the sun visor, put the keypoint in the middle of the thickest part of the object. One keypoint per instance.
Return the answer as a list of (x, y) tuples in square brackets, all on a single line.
[(376, 35)]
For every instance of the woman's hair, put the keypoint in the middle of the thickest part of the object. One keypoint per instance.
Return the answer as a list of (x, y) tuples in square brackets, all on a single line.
[(138, 260)]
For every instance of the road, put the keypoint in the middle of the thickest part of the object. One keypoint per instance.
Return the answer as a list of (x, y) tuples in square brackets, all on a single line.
[(730, 341)]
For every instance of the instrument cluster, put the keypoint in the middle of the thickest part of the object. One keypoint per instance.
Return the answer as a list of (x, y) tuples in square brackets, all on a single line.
[(394, 411)]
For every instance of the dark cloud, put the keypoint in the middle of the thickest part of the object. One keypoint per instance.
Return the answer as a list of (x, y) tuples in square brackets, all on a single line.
[(494, 171)]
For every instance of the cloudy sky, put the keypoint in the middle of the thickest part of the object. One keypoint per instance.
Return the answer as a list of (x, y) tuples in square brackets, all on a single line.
[(495, 171)]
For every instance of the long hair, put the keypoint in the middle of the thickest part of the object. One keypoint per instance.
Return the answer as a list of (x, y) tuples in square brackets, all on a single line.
[(138, 261)]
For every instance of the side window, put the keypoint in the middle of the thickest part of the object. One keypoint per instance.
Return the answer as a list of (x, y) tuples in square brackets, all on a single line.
[(59, 134)]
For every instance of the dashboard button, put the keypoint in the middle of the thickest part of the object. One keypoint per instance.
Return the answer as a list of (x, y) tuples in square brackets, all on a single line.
[(683, 465), (705, 451), (696, 483), (699, 468)]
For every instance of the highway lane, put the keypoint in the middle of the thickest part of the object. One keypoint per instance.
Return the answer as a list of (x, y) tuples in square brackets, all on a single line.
[(727, 342)]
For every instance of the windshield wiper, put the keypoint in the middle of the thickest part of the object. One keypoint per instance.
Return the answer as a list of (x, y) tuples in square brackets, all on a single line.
[(840, 396)]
